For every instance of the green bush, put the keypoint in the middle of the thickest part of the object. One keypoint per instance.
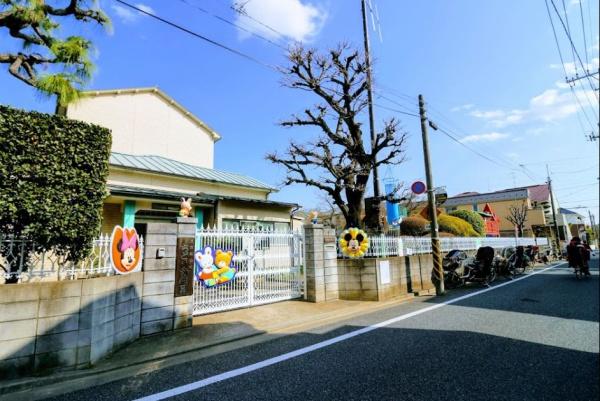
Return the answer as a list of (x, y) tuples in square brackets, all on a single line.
[(414, 225), (53, 175), (473, 218), (456, 226)]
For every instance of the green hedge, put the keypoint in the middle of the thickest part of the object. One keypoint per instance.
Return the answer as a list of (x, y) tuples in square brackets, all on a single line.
[(456, 226), (471, 217), (414, 225), (53, 175)]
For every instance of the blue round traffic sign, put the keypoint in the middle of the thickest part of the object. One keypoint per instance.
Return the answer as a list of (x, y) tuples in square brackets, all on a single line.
[(418, 187)]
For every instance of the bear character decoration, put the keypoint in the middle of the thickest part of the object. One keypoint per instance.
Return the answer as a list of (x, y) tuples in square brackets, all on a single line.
[(125, 252), (354, 243), (213, 267)]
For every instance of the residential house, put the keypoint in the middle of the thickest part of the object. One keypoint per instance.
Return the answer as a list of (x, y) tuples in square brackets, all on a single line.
[(535, 197), (575, 222), (161, 153)]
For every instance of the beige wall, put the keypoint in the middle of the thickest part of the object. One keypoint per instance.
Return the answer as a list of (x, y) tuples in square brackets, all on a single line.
[(176, 184), (112, 215), (238, 211), (146, 124), (501, 208)]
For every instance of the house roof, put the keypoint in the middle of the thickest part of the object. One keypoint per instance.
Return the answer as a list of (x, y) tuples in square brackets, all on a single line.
[(562, 210), (148, 193), (538, 193), (163, 165), (160, 94)]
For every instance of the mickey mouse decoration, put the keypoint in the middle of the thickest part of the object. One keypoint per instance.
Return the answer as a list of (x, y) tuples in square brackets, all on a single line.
[(354, 242)]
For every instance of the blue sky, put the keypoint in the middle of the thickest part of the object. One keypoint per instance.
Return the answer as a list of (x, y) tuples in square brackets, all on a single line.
[(489, 71)]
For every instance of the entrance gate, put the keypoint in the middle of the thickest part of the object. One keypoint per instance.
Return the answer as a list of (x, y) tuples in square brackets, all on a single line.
[(269, 268)]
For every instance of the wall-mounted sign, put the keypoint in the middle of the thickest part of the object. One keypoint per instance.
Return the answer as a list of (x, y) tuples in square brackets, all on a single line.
[(184, 267), (214, 267), (418, 187), (125, 253), (354, 243)]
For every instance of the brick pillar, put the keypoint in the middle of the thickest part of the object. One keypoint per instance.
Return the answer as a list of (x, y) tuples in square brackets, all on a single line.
[(320, 261), (313, 262), (330, 264), (184, 274), (159, 278)]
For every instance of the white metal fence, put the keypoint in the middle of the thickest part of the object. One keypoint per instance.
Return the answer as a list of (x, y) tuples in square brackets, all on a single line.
[(49, 266), (382, 246), (269, 268)]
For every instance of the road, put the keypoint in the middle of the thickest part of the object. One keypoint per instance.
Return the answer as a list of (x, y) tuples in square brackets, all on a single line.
[(532, 339)]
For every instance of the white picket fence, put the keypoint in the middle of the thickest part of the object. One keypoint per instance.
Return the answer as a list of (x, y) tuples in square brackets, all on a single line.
[(382, 246), (49, 266)]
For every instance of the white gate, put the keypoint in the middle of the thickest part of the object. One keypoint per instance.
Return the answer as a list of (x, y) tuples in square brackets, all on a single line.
[(269, 268)]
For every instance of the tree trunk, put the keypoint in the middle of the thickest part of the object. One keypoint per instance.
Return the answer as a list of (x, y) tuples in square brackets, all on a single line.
[(355, 208)]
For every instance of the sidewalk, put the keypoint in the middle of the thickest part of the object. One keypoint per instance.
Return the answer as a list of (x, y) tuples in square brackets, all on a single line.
[(209, 331)]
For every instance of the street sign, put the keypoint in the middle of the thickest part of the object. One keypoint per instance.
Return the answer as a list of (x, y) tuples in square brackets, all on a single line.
[(440, 198), (418, 187)]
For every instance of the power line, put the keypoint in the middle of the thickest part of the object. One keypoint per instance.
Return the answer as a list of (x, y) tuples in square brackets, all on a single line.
[(449, 135), (587, 59), (241, 11), (574, 49), (229, 22), (576, 171), (197, 35), (395, 110), (569, 35), (576, 186)]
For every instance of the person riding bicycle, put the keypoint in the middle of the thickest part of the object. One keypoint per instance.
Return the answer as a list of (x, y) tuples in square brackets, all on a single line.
[(576, 255)]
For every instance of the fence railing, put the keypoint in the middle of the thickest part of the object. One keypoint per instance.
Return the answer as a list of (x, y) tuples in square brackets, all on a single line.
[(382, 246), (18, 263)]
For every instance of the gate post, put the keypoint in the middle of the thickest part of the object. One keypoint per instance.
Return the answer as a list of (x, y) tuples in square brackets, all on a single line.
[(313, 263), (320, 262), (184, 273)]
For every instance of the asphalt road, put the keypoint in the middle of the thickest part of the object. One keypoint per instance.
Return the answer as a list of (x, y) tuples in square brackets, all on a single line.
[(534, 339)]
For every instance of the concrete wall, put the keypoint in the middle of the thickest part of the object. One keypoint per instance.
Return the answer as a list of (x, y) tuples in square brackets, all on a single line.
[(145, 123), (66, 324), (362, 279)]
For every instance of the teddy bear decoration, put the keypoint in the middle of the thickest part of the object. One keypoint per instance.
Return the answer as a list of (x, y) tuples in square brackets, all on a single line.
[(185, 209)]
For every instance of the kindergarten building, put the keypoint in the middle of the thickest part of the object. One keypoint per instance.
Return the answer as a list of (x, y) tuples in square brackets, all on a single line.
[(160, 153)]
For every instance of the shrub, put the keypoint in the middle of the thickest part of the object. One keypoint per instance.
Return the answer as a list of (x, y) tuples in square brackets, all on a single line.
[(473, 218), (414, 225), (456, 226), (53, 175)]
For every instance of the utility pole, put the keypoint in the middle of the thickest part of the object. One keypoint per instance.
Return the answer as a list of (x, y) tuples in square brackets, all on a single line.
[(593, 227), (553, 211), (435, 239), (376, 191)]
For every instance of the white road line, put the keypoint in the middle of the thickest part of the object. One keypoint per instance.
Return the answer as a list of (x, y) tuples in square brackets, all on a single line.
[(293, 354)]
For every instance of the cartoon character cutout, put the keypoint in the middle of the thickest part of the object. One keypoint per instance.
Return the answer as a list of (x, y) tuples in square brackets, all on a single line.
[(354, 243), (214, 267), (125, 252)]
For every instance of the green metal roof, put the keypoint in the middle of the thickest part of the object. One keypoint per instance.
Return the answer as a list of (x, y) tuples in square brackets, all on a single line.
[(148, 193), (162, 165)]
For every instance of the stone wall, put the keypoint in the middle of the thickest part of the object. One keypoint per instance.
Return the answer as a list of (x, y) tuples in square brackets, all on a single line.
[(66, 324), (365, 279)]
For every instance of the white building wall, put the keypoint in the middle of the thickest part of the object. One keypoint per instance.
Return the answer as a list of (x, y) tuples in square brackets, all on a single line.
[(144, 123)]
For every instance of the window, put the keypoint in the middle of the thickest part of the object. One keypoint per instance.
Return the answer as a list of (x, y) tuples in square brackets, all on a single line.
[(282, 227), (475, 207)]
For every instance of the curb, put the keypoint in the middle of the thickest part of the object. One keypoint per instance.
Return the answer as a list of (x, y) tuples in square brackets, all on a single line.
[(326, 318)]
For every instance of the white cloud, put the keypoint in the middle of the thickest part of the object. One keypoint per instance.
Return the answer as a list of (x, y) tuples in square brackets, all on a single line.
[(463, 107), (550, 106), (293, 19), (571, 68), (129, 15), (145, 8), (487, 137)]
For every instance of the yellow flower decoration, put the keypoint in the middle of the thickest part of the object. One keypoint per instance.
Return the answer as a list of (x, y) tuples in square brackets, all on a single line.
[(354, 242)]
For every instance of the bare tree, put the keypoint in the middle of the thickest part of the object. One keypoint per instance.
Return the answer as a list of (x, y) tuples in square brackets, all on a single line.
[(518, 216), (337, 162)]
